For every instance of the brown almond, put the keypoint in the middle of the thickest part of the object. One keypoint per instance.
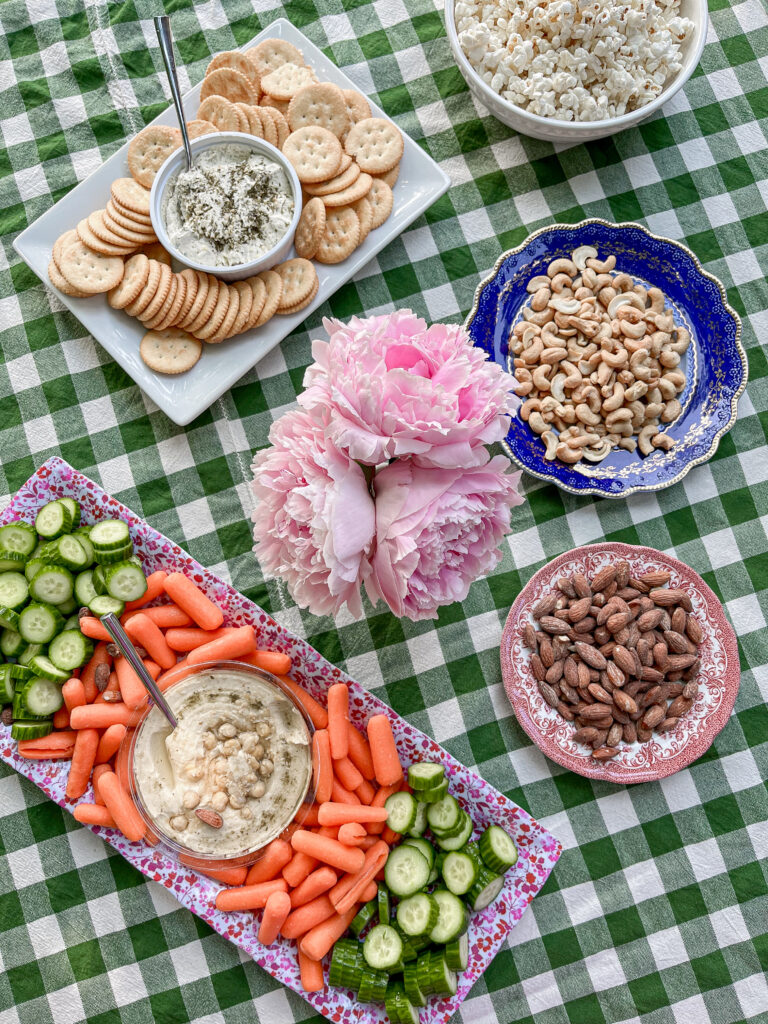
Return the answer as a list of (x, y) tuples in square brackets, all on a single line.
[(678, 619), (624, 660), (537, 667), (628, 593), (579, 609), (112, 697), (546, 652), (566, 712), (654, 696), (620, 716), (598, 600), (101, 677), (674, 690), (617, 622), (649, 620), (630, 733), (660, 657), (653, 716), (549, 695), (667, 724), (679, 707), (644, 650), (639, 585), (675, 642), (615, 734), (602, 636), (622, 578), (209, 816), (605, 753), (545, 606), (581, 585), (594, 712), (690, 691), (568, 692), (604, 578), (554, 672), (693, 629), (589, 655), (571, 672), (643, 734), (584, 676), (585, 735), (565, 586), (585, 626), (599, 693), (681, 661), (624, 702), (667, 598), (693, 670), (656, 579), (529, 637), (606, 612), (651, 675), (552, 624), (599, 740)]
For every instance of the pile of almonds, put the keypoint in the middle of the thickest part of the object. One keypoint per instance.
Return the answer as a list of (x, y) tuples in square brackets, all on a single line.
[(616, 655)]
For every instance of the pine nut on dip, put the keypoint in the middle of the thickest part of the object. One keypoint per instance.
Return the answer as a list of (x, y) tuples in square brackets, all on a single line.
[(235, 770), (232, 207)]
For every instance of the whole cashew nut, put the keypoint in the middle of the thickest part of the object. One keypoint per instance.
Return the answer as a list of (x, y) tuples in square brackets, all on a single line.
[(644, 439), (671, 411), (585, 414), (541, 377), (536, 422), (549, 437), (569, 455), (542, 281), (616, 399), (663, 441), (562, 266)]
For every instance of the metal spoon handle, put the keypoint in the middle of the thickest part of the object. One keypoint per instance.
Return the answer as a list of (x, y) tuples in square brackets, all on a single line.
[(112, 625), (165, 39)]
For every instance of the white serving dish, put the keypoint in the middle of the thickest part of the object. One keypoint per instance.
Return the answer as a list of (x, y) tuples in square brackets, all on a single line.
[(571, 132), (184, 397), (177, 162)]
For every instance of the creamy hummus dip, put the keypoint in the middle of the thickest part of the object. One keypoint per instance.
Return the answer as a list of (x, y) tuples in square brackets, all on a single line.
[(240, 749), (232, 207)]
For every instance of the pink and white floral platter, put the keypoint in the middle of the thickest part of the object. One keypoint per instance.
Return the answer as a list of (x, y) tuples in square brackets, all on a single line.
[(665, 753), (539, 850)]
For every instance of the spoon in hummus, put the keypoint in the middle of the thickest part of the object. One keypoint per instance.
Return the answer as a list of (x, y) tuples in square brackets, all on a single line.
[(112, 624), (165, 38)]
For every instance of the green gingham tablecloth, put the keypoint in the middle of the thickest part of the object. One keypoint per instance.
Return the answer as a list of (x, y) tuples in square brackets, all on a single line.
[(658, 909)]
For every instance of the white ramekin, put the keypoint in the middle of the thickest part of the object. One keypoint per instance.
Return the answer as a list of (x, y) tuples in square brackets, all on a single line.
[(176, 162), (575, 132)]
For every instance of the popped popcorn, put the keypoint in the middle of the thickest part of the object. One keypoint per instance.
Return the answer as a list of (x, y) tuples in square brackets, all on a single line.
[(574, 60)]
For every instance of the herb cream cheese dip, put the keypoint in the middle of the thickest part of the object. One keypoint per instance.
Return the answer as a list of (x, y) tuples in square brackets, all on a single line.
[(232, 207), (241, 749)]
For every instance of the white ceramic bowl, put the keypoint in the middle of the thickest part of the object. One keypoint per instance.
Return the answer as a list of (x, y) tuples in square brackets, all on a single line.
[(552, 130), (176, 161)]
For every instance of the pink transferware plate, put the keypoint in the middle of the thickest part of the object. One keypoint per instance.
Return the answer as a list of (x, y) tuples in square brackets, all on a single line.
[(488, 929), (665, 753)]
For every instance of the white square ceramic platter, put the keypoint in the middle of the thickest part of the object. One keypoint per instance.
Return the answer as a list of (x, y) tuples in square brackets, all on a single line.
[(182, 398), (488, 929)]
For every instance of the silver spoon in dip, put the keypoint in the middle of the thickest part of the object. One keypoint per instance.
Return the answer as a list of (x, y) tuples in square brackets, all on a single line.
[(112, 624), (165, 39)]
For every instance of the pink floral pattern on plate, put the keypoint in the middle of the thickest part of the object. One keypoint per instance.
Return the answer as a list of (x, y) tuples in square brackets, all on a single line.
[(664, 754), (539, 850)]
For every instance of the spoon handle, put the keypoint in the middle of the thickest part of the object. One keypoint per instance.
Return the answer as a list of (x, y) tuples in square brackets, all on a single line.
[(165, 39), (112, 624)]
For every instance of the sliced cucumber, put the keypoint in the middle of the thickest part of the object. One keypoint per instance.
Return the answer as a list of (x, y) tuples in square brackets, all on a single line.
[(9, 619), (66, 551), (410, 952), (434, 975), (99, 583), (347, 964), (485, 890), (17, 539), (74, 511), (425, 775), (84, 589), (29, 652), (457, 953), (39, 623), (399, 1008), (20, 672), (21, 712), (373, 986), (7, 685), (68, 607), (444, 815), (39, 696), (459, 871), (103, 605), (125, 582), (85, 541), (30, 730), (431, 796), (42, 666), (383, 905), (424, 846), (406, 871), (383, 948), (73, 622), (452, 919), (53, 520), (109, 535), (53, 584), (498, 850), (33, 566), (419, 826), (11, 643), (69, 650), (411, 985), (364, 916), (417, 914), (401, 811), (455, 842), (118, 555)]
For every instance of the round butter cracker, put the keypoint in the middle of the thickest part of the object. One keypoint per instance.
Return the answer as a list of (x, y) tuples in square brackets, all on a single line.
[(284, 82), (231, 84), (341, 236), (218, 313), (245, 306), (274, 286), (221, 113), (134, 279), (229, 317), (88, 271), (342, 180), (147, 292), (149, 150), (170, 351), (289, 310), (200, 127), (359, 188), (380, 197), (358, 107), (131, 195), (376, 144), (310, 228), (259, 294), (314, 152), (298, 277), (58, 280), (270, 54), (319, 104), (238, 61)]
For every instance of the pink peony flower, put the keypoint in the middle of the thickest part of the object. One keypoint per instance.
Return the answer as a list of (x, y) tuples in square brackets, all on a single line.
[(437, 530), (314, 521), (396, 387)]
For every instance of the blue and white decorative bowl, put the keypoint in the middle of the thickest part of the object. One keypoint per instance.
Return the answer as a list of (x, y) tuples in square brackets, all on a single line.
[(715, 364)]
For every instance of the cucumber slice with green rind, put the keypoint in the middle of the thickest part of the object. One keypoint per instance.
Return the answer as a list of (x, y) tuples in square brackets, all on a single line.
[(455, 842), (401, 811), (30, 730), (39, 696), (53, 520), (53, 584), (20, 712), (69, 650), (459, 871), (406, 871), (125, 581), (7, 685), (347, 964), (444, 815), (110, 557), (485, 890), (67, 551), (109, 535), (74, 510), (85, 542), (417, 914), (457, 953), (364, 916), (39, 623), (42, 666), (20, 538), (423, 846), (9, 619), (452, 919), (425, 775), (98, 581), (29, 653), (383, 947), (383, 905), (373, 986), (498, 850), (411, 985), (103, 605), (11, 643), (84, 588), (33, 566), (419, 826), (431, 796)]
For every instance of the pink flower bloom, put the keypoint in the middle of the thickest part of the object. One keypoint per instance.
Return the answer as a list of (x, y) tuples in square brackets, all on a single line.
[(314, 521), (437, 531), (396, 387)]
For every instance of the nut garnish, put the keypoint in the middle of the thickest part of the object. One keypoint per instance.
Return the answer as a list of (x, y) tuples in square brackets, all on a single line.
[(209, 816)]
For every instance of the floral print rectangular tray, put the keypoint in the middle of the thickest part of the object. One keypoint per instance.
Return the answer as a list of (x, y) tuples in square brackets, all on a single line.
[(539, 850)]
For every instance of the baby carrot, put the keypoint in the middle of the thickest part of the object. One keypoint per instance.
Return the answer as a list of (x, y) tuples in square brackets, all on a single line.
[(271, 862), (340, 814), (83, 757), (352, 833), (321, 938), (365, 792), (234, 645), (179, 671), (338, 719), (322, 765), (92, 627), (131, 687), (390, 837), (369, 892), (288, 831), (101, 716), (99, 657), (194, 602), (313, 885), (386, 762), (227, 876), (110, 740), (93, 814), (143, 631), (185, 640), (165, 616), (96, 774), (270, 661), (276, 909), (249, 897), (155, 587), (374, 860), (329, 851), (73, 693), (308, 816), (360, 753), (121, 807), (61, 718), (298, 868), (113, 686), (379, 799), (341, 795), (347, 774), (316, 711), (57, 745), (300, 920), (311, 972)]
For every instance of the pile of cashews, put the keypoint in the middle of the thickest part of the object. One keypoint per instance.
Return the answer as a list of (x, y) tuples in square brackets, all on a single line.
[(597, 358)]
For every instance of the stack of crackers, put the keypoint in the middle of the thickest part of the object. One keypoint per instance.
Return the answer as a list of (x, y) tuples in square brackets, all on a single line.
[(346, 161)]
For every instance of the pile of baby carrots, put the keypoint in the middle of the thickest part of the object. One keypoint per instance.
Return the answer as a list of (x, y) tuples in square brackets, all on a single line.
[(311, 881)]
